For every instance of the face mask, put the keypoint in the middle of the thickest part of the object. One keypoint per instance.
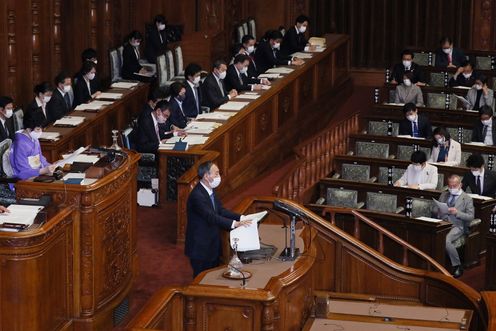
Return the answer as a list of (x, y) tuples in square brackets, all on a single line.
[(46, 99), (455, 191), (91, 75), (8, 112), (244, 70), (440, 141), (486, 122), (215, 182), (407, 82), (67, 88), (135, 44), (302, 29), (161, 119), (196, 80), (417, 167), (222, 75), (251, 49), (95, 61), (161, 27), (411, 118), (467, 75), (478, 87), (447, 50), (276, 46), (407, 63), (35, 134), (181, 98), (476, 173)]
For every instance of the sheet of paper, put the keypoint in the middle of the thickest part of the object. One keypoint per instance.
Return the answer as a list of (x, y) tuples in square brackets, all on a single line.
[(233, 105), (269, 76), (191, 140), (20, 214), (409, 137), (50, 135), (94, 105), (203, 125), (249, 96), (88, 181), (266, 87), (70, 121), (70, 158), (463, 87), (248, 238), (85, 158), (251, 93), (200, 131), (475, 143), (302, 55), (124, 85), (481, 197), (429, 219), (111, 96), (74, 175), (166, 146), (393, 104), (279, 70), (217, 115), (441, 206)]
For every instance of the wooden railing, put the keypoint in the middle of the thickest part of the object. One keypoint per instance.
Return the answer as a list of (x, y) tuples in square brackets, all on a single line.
[(315, 158)]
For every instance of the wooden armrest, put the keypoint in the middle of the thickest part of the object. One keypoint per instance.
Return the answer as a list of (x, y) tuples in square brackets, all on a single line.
[(336, 176), (372, 179), (350, 153), (360, 205), (392, 156), (399, 210), (320, 201)]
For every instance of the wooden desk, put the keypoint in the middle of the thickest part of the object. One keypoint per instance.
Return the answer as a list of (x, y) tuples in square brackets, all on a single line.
[(97, 128), (38, 276), (491, 261), (264, 133), (103, 247)]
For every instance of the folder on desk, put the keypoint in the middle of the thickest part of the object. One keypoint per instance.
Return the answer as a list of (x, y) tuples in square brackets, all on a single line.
[(180, 146)]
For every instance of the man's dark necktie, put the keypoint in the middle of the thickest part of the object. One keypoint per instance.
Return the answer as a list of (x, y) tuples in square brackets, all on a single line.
[(484, 132), (478, 185), (213, 200), (6, 129), (67, 101), (451, 201), (415, 129)]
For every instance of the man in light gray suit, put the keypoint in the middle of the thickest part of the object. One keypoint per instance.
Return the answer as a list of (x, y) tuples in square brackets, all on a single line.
[(460, 214)]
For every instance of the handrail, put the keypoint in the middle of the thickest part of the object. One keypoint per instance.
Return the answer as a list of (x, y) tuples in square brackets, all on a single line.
[(315, 158)]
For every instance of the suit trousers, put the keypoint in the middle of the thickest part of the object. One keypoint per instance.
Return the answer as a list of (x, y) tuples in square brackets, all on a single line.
[(454, 234), (201, 265)]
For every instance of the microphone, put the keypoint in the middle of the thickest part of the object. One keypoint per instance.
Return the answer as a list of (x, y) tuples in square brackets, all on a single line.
[(243, 279), (279, 205)]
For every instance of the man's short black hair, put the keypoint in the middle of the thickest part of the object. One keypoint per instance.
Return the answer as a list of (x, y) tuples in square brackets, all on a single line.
[(407, 52), (192, 69), (88, 53), (486, 110), (467, 63), (483, 79), (163, 105), (5, 100), (274, 34), (176, 88), (218, 63), (240, 58), (34, 119), (61, 77), (475, 161), (204, 168), (246, 38), (160, 19), (154, 94), (136, 35), (87, 67), (302, 19), (446, 39), (42, 87), (418, 157), (409, 107)]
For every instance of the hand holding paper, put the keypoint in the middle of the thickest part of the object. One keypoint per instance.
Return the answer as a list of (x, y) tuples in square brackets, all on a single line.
[(248, 238)]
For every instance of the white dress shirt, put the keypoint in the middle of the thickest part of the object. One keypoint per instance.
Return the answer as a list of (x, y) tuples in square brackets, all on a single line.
[(488, 139), (425, 178), (42, 105)]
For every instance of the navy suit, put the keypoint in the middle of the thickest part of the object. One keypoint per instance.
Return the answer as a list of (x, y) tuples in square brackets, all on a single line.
[(423, 123), (178, 118), (203, 241), (293, 41), (238, 82), (266, 57), (190, 107), (457, 57), (146, 136), (213, 96)]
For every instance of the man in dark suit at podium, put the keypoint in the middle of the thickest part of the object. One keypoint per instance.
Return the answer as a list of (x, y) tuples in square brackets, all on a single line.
[(206, 217)]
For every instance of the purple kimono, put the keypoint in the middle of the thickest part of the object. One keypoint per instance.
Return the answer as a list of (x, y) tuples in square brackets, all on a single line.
[(26, 157)]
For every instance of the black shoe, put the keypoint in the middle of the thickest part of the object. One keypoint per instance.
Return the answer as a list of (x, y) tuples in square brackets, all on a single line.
[(457, 271)]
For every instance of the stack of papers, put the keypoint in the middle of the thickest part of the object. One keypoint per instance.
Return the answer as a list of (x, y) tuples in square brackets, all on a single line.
[(429, 219), (70, 158), (233, 105), (20, 214), (69, 121), (248, 239), (393, 104), (190, 140), (481, 197), (218, 115), (318, 49), (266, 87), (302, 55), (111, 96), (279, 70), (93, 105), (249, 96), (196, 127), (124, 85), (475, 143), (269, 76), (84, 158), (50, 135)]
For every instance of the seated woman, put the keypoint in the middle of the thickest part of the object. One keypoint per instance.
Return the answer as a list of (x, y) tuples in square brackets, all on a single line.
[(408, 92), (25, 156), (419, 174), (43, 95), (480, 95), (444, 149)]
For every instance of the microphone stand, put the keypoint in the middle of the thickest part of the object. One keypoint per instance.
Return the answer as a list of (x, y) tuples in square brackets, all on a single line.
[(291, 253), (243, 277)]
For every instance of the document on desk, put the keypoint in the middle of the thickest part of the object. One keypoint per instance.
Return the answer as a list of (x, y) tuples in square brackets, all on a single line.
[(20, 214), (428, 219), (279, 70), (409, 137), (217, 115), (269, 76), (465, 102), (69, 121), (234, 105), (191, 140), (50, 135), (393, 104), (248, 238), (480, 197), (302, 55), (203, 125), (84, 158), (441, 206), (248, 96), (124, 85), (475, 143), (111, 96), (93, 105), (71, 157)]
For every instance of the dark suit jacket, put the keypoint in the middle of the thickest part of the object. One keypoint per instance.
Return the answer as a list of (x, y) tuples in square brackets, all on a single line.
[(415, 69), (489, 188), (33, 106), (57, 107), (190, 108), (212, 95), (442, 58), (177, 117), (9, 123), (146, 136), (232, 80), (81, 93), (477, 131), (252, 67), (154, 47), (130, 63), (203, 241), (462, 81), (424, 127), (293, 41), (267, 58)]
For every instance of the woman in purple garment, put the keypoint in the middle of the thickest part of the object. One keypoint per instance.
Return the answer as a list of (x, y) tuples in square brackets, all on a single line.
[(25, 156)]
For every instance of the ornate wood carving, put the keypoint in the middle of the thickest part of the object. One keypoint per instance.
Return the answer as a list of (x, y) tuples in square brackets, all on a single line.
[(190, 314), (35, 8), (268, 316), (87, 229), (11, 52), (57, 36), (93, 24), (486, 22)]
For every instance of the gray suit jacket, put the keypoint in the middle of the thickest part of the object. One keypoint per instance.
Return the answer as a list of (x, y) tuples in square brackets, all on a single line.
[(406, 94), (484, 100), (465, 210)]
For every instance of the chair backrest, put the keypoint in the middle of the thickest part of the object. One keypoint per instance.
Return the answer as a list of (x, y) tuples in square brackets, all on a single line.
[(126, 139), (355, 172), (404, 152), (440, 182), (483, 62), (178, 58), (436, 100), (378, 150), (383, 174), (380, 128), (120, 50), (392, 95), (465, 156), (169, 64), (421, 207), (252, 27), (381, 202), (115, 66), (437, 79), (162, 73), (423, 58), (6, 167), (240, 33), (18, 119), (245, 28), (339, 197)]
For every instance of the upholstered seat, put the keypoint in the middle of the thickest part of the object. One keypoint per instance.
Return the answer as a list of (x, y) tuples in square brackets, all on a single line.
[(7, 196), (378, 150), (466, 133), (423, 58), (147, 167), (437, 79), (421, 207), (380, 128), (115, 66), (252, 27), (383, 174), (18, 119), (436, 100), (178, 59), (381, 202), (240, 32), (164, 72), (404, 152), (355, 172), (440, 182), (483, 62), (339, 197)]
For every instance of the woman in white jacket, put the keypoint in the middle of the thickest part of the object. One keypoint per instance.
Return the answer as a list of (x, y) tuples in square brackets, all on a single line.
[(445, 150)]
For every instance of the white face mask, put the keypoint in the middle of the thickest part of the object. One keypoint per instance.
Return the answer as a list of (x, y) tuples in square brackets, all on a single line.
[(222, 75), (407, 63), (455, 191), (196, 80), (35, 134), (91, 75), (478, 87), (161, 27), (467, 75), (8, 112), (135, 44), (447, 50), (302, 29), (440, 141), (411, 118), (161, 119), (251, 49), (243, 70), (95, 61), (67, 88), (417, 167), (407, 82), (46, 99), (276, 46), (476, 172), (215, 182), (486, 122)]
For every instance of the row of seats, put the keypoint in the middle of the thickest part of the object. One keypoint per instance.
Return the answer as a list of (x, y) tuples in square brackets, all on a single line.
[(482, 62), (247, 27)]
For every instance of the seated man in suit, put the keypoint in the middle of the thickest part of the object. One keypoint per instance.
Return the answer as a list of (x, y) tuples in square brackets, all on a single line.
[(7, 123), (155, 127), (178, 95), (480, 94), (213, 88), (156, 39), (484, 131), (268, 55), (294, 40), (419, 174), (237, 78), (460, 214), (131, 67), (414, 124), (248, 48), (447, 55), (84, 91), (407, 64), (407, 91), (193, 99), (43, 94), (60, 103), (90, 55), (479, 180), (464, 75), (206, 217)]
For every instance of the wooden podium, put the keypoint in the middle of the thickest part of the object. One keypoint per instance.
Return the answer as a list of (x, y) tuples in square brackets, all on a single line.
[(96, 262)]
